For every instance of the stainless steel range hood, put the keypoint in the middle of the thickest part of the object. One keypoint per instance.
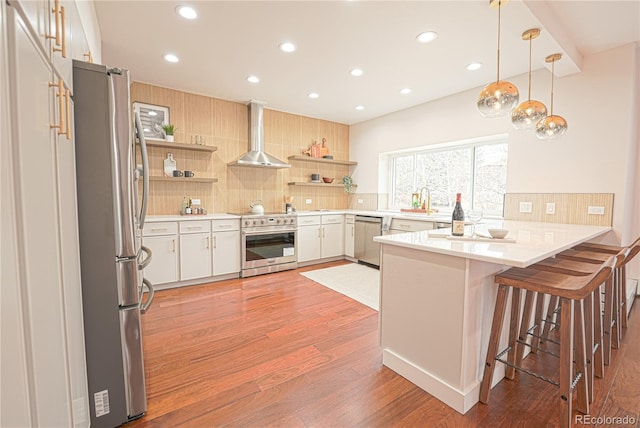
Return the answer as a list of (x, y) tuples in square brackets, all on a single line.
[(256, 156)]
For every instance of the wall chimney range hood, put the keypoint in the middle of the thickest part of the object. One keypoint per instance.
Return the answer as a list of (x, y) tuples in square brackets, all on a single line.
[(256, 157)]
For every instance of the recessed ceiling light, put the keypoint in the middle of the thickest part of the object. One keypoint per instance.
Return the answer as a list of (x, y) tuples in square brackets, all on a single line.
[(474, 66), (287, 47), (187, 12), (405, 91), (356, 72), (171, 58), (253, 79), (359, 107), (427, 36), (313, 95)]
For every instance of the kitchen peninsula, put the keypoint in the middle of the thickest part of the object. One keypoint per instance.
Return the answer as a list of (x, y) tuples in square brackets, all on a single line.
[(437, 297)]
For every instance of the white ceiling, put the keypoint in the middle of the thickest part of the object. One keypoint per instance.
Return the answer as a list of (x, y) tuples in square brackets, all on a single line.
[(233, 39)]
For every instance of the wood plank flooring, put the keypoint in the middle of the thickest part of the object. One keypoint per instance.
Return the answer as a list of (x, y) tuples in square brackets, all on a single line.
[(282, 350)]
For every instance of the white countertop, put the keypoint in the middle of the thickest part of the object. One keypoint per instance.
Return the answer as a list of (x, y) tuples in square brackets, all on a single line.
[(533, 242), (445, 218)]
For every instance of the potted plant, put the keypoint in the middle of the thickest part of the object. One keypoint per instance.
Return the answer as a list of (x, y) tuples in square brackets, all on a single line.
[(168, 129), (348, 183)]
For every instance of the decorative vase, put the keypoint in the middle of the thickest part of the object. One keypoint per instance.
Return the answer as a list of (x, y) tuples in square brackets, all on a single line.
[(169, 138)]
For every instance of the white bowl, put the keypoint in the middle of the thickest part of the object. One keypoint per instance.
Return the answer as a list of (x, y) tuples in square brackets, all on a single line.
[(498, 233)]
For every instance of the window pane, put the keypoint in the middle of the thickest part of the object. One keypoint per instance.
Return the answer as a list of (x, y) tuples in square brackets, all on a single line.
[(491, 178), (445, 173), (402, 180)]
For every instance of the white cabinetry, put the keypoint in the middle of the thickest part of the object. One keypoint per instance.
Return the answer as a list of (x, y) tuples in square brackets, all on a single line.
[(320, 237), (309, 238), (162, 239), (195, 249), (226, 246), (332, 244), (48, 306), (349, 235)]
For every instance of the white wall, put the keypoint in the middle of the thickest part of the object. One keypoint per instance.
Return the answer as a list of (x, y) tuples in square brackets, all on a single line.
[(593, 156)]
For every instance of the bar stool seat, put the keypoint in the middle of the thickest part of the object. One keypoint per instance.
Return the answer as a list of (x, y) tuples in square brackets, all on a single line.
[(571, 291)]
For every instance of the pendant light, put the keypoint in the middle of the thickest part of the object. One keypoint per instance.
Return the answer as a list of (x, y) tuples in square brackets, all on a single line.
[(552, 126), (499, 98), (527, 115)]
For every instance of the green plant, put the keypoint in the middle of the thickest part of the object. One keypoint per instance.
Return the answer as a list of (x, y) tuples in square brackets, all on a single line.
[(348, 183), (168, 128)]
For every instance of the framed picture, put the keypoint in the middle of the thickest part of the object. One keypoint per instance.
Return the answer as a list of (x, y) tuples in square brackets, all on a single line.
[(152, 118)]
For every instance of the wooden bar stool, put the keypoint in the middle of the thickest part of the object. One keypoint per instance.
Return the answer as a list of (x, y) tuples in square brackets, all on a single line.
[(571, 290), (634, 249)]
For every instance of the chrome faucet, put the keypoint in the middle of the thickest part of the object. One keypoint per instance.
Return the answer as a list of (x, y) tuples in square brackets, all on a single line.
[(426, 204)]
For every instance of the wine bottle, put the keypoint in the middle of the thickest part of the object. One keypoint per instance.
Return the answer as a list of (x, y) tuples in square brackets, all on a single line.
[(457, 218)]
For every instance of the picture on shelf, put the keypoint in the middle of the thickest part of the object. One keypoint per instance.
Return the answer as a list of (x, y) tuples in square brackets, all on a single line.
[(152, 118)]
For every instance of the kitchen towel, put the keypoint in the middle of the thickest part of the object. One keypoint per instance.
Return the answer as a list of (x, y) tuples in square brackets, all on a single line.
[(386, 223)]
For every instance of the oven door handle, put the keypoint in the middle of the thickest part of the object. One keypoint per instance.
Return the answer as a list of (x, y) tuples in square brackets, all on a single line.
[(266, 232)]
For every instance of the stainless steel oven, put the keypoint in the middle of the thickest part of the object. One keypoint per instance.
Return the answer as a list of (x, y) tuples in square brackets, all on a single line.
[(268, 243)]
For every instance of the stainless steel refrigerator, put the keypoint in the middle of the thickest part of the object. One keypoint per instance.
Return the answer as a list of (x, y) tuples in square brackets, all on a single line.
[(111, 217)]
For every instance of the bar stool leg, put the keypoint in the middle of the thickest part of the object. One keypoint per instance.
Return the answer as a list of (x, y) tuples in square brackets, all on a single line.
[(524, 325), (513, 333), (583, 385), (623, 305), (566, 362), (615, 313), (598, 363), (494, 342), (537, 330), (607, 320), (589, 342), (549, 318)]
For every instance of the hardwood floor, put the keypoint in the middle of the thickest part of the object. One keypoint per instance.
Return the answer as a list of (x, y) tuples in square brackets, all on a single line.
[(282, 350)]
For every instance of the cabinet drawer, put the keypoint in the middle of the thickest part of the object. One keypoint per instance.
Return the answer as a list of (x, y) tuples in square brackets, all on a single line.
[(222, 225), (410, 225), (160, 228), (333, 219), (195, 226), (308, 220)]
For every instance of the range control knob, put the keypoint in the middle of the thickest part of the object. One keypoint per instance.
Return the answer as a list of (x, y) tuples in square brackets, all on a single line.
[(279, 221), (262, 221), (255, 222), (247, 222)]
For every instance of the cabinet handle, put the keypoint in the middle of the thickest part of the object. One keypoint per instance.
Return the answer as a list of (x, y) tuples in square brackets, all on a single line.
[(207, 242), (173, 249), (67, 95), (405, 226), (194, 227), (63, 48), (56, 12), (352, 229), (214, 242), (89, 57), (61, 109), (159, 229), (323, 232), (318, 232)]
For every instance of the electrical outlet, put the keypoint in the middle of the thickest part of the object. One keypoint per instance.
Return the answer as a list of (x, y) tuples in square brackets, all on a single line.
[(361, 201), (307, 201), (595, 210), (195, 201), (551, 208), (526, 207)]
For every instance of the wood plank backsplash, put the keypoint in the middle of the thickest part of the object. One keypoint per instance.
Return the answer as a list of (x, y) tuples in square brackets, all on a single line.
[(224, 124), (570, 208)]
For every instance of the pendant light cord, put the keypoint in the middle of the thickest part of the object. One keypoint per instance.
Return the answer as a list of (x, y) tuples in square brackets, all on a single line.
[(530, 43), (553, 68), (498, 72)]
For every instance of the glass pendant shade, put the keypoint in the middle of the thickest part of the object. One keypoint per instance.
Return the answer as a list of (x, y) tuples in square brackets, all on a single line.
[(527, 115), (498, 99), (551, 127)]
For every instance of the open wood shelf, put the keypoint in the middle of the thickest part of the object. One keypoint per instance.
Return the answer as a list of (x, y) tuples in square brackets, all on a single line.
[(321, 160), (182, 179), (308, 183), (181, 146)]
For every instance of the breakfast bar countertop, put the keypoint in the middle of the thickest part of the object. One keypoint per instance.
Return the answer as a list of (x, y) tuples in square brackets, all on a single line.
[(534, 241)]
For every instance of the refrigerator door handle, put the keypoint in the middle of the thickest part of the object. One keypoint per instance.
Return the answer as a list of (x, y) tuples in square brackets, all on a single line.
[(145, 306), (147, 259), (145, 170)]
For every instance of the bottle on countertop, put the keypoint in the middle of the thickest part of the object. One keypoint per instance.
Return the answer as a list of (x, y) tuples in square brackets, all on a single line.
[(188, 209), (184, 206), (457, 218)]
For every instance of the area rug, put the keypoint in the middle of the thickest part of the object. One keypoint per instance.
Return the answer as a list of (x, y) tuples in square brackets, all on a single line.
[(359, 282)]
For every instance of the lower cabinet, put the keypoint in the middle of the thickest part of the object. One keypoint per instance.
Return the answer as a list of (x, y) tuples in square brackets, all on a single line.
[(195, 249), (226, 246), (162, 240), (349, 235), (320, 237), (332, 244), (309, 238)]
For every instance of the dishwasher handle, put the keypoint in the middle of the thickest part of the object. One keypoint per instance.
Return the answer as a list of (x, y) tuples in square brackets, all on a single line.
[(369, 219)]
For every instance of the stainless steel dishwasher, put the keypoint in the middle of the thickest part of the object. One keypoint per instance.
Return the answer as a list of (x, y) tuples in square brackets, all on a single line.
[(367, 251)]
